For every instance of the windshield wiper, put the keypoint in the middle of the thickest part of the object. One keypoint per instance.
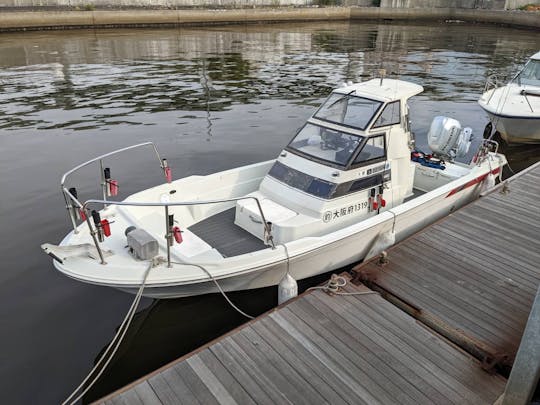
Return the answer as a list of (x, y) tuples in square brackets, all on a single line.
[(341, 98)]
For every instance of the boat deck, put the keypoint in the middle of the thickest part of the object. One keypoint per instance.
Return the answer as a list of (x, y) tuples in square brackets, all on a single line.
[(355, 349), (473, 275), (220, 232)]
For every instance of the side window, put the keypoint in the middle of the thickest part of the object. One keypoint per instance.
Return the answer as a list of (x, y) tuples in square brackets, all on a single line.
[(389, 116), (373, 149)]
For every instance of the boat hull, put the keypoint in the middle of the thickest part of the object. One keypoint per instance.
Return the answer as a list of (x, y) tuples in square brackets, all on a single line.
[(514, 115), (333, 254), (302, 258), (516, 129)]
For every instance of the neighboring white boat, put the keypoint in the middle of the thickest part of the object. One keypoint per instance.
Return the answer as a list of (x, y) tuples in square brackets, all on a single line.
[(514, 109), (347, 186)]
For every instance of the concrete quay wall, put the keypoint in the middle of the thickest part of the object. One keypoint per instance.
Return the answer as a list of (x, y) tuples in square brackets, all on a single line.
[(33, 20), (473, 4)]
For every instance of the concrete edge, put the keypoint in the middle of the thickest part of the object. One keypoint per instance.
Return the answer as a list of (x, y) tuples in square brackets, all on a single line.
[(38, 20)]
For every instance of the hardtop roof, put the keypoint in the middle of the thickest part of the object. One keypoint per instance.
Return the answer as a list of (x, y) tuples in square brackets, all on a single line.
[(389, 90)]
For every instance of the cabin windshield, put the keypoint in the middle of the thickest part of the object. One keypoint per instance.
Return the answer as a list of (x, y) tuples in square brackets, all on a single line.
[(530, 75), (325, 144), (349, 110)]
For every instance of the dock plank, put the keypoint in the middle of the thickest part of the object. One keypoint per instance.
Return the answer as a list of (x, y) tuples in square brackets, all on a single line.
[(356, 349), (328, 387), (235, 390), (179, 387), (338, 338), (198, 387), (477, 270), (208, 378), (419, 369)]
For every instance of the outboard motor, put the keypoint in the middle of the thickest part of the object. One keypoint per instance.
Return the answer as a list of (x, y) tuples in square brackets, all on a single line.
[(447, 139)]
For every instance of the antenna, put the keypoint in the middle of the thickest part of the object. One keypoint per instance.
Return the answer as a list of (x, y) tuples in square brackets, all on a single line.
[(382, 73)]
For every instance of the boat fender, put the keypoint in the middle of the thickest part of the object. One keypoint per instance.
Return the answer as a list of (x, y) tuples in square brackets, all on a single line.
[(384, 241), (287, 289), (106, 226), (488, 183), (167, 170), (177, 233)]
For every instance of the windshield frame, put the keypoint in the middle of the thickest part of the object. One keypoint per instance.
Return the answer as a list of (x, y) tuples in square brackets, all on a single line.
[(352, 165), (348, 96), (532, 64), (325, 162)]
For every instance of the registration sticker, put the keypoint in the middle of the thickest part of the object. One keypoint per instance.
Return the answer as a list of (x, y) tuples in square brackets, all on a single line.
[(344, 211)]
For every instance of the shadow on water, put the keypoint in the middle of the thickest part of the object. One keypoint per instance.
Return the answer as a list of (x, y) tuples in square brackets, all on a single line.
[(168, 329)]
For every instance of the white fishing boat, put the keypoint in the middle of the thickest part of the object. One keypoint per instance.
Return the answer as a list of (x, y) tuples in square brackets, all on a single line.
[(348, 185), (514, 108)]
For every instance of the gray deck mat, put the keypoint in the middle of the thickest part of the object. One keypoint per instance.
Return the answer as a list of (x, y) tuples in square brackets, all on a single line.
[(220, 232)]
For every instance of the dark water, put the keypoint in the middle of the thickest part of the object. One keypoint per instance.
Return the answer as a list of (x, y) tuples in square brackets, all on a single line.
[(211, 99)]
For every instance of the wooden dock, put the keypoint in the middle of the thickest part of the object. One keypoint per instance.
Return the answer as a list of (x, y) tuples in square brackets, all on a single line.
[(472, 276), (356, 349), (453, 303)]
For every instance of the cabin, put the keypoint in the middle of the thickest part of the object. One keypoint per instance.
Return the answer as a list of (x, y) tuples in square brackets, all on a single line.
[(351, 160)]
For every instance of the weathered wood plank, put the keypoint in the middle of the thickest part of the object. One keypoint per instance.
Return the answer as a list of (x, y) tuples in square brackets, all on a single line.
[(199, 389), (274, 365), (452, 251), (395, 324), (325, 383), (266, 382), (235, 389), (339, 338), (497, 265), (406, 386), (457, 369), (251, 383), (328, 360), (471, 301), (210, 381), (179, 386), (163, 391)]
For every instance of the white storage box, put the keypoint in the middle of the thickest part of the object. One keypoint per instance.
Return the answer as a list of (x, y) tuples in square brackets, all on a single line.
[(249, 218)]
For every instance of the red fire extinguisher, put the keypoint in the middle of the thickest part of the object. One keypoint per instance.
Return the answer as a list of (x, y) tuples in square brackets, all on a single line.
[(167, 170), (382, 201), (106, 227), (177, 233)]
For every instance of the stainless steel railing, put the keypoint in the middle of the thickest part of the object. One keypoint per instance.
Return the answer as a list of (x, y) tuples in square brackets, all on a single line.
[(72, 202), (168, 234), (70, 199)]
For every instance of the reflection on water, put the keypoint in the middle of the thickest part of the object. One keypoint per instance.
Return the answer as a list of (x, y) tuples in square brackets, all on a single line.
[(92, 80), (211, 99)]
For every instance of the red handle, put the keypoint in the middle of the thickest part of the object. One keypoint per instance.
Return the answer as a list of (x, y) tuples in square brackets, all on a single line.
[(177, 234), (106, 227), (113, 187), (168, 174)]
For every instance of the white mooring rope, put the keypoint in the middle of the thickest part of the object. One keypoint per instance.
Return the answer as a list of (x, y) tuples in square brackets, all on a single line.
[(219, 289), (335, 283), (116, 341)]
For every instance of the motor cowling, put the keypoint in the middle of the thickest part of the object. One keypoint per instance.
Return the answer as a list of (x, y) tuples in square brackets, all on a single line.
[(447, 139)]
